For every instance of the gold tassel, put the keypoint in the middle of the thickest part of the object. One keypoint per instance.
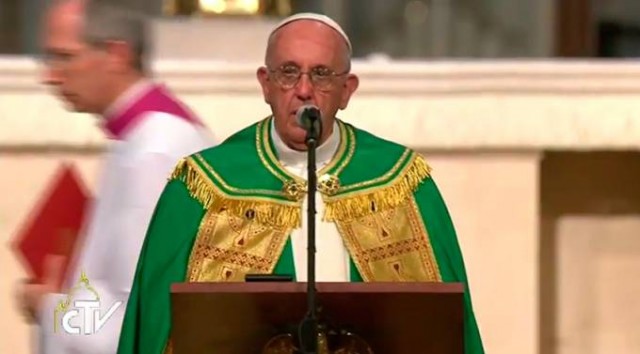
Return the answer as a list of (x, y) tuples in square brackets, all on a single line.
[(384, 198), (203, 189)]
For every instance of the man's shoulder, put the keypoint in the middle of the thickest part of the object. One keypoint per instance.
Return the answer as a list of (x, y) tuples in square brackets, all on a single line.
[(375, 143), (236, 145), (376, 158), (379, 174), (235, 175), (235, 160), (159, 122), (162, 132)]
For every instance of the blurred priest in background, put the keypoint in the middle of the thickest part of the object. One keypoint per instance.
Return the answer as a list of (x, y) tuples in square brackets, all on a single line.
[(95, 60)]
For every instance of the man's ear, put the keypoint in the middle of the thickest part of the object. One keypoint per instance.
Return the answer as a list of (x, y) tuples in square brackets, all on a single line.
[(263, 77), (350, 86), (120, 55)]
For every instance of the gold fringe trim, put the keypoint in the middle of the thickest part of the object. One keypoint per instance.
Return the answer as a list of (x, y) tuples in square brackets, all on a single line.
[(203, 189), (168, 347), (380, 198)]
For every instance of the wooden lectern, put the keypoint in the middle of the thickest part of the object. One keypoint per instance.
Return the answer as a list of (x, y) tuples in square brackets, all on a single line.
[(394, 318)]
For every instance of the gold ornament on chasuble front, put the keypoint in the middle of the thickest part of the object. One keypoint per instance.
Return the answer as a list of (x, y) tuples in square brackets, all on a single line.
[(391, 245), (228, 247), (328, 184), (296, 190)]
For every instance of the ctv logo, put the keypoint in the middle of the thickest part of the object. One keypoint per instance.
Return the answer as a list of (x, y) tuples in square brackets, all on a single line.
[(86, 316)]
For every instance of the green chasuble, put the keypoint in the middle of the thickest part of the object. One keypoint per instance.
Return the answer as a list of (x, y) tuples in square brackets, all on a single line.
[(229, 210)]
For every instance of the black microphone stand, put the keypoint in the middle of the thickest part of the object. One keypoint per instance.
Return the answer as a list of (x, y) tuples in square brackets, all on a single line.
[(309, 326)]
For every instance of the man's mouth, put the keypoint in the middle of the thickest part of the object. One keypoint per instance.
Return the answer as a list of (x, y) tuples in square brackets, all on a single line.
[(66, 95)]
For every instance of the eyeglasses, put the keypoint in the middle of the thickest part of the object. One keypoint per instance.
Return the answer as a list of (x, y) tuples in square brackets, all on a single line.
[(322, 78), (57, 59), (64, 57)]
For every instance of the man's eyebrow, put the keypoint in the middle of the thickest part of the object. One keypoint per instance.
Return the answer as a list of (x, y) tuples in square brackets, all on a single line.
[(317, 66), (289, 63), (57, 50)]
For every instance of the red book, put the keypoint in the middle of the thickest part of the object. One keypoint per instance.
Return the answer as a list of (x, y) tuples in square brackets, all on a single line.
[(55, 223)]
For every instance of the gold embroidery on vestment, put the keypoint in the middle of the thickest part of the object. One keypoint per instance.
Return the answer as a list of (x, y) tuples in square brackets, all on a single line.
[(200, 186), (228, 247), (355, 204), (391, 245)]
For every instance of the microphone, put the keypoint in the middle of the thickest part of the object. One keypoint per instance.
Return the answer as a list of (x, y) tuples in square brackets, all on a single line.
[(309, 118)]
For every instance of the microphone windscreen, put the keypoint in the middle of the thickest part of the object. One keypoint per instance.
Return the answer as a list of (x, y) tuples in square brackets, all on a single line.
[(306, 113)]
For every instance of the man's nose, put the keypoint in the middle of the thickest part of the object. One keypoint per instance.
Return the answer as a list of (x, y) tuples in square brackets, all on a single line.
[(304, 88), (51, 76)]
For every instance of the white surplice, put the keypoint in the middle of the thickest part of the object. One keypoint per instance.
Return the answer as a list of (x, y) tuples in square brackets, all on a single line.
[(332, 258), (135, 170)]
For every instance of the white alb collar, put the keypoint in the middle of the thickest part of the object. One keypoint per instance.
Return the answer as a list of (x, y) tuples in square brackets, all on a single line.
[(290, 157)]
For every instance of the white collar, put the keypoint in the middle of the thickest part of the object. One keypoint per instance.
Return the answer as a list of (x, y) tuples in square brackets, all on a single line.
[(290, 157), (127, 98)]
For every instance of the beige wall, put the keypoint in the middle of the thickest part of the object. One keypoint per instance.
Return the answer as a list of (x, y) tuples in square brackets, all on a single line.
[(486, 129), (591, 252), (493, 201)]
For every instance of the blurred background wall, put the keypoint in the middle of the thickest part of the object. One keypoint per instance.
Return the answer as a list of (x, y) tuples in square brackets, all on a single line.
[(526, 109)]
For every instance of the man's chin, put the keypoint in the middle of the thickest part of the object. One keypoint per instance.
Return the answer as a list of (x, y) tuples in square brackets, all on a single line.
[(298, 145), (71, 105), (75, 108), (72, 109)]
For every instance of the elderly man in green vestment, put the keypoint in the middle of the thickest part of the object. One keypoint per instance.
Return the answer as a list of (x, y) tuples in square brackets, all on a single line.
[(238, 208)]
